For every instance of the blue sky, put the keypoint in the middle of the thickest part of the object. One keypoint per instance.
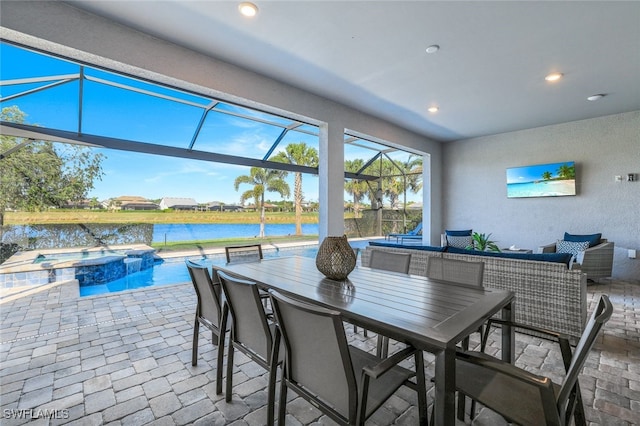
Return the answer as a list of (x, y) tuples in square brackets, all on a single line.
[(114, 112), (534, 172)]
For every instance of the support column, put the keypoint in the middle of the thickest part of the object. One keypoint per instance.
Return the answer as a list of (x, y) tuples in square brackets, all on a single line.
[(331, 181), (427, 201)]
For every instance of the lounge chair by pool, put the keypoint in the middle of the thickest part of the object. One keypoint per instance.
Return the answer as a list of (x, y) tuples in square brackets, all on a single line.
[(415, 234)]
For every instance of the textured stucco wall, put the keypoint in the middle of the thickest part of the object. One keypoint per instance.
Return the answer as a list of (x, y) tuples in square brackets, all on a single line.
[(474, 185)]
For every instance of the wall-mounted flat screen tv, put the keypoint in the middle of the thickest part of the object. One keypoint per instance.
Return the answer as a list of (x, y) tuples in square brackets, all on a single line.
[(542, 180)]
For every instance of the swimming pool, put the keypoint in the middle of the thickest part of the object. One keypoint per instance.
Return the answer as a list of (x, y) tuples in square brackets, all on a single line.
[(174, 271)]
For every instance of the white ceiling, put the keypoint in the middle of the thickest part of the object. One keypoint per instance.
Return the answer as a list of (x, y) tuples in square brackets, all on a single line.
[(487, 77)]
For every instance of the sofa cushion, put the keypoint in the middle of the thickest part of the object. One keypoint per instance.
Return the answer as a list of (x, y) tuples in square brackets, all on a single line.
[(464, 233), (412, 247), (542, 257), (592, 239), (573, 247)]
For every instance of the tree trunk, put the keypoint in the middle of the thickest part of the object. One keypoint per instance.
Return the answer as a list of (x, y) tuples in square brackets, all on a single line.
[(298, 199), (262, 219)]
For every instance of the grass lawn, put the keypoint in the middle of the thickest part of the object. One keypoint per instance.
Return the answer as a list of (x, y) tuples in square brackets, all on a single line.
[(54, 217), (155, 217)]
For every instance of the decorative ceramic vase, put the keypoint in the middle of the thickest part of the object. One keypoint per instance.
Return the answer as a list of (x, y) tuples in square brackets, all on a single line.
[(335, 259)]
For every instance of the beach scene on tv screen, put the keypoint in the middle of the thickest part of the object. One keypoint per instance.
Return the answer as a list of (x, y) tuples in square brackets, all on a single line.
[(542, 180)]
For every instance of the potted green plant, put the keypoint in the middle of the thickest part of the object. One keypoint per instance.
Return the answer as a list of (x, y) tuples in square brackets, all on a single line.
[(481, 242)]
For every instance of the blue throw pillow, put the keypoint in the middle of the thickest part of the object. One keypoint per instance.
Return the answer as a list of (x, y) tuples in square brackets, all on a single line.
[(465, 233), (592, 239)]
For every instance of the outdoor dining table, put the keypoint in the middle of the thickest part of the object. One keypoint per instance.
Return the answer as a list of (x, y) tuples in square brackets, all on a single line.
[(431, 315)]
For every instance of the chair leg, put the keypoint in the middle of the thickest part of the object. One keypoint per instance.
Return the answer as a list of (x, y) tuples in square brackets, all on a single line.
[(363, 394), (273, 368), (194, 350), (382, 347), (229, 390), (220, 363), (577, 407), (364, 330), (461, 406), (421, 389), (282, 409)]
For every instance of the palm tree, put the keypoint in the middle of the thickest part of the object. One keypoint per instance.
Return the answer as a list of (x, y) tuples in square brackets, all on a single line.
[(302, 155), (356, 188), (567, 172), (547, 175), (402, 176), (262, 180)]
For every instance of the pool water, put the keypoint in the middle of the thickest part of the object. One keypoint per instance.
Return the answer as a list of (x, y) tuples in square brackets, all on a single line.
[(174, 271)]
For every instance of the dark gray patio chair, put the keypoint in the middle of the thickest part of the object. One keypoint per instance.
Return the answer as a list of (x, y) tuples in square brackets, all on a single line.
[(345, 383), (251, 333), (392, 262), (208, 313), (244, 253), (455, 271), (458, 272), (525, 398)]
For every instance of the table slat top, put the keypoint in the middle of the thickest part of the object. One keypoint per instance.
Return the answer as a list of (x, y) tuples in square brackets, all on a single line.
[(426, 313)]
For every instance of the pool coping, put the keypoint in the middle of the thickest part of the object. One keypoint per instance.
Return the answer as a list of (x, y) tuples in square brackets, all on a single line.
[(23, 261)]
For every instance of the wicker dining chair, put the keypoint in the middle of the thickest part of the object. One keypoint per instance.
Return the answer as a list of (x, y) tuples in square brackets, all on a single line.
[(252, 333), (522, 397), (344, 382), (208, 313)]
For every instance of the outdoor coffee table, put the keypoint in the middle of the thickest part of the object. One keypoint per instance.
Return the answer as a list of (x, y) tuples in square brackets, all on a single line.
[(428, 314)]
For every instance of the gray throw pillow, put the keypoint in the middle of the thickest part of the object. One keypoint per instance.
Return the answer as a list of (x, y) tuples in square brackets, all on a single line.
[(573, 247), (459, 242)]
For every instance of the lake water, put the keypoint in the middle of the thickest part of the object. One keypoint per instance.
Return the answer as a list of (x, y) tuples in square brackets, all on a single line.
[(92, 234), (213, 231)]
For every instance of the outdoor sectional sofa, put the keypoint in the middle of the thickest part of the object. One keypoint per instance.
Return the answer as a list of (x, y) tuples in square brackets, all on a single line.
[(548, 294)]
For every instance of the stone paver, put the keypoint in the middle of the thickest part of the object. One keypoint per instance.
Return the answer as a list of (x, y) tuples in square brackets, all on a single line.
[(125, 359)]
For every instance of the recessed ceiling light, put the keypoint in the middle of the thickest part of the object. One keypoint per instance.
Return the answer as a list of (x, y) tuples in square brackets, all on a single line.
[(433, 109), (433, 48), (248, 9), (554, 76), (595, 97)]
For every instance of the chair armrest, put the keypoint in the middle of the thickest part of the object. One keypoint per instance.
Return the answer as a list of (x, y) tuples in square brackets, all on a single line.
[(528, 327), (482, 360), (549, 248), (602, 254), (375, 371), (479, 360), (562, 339)]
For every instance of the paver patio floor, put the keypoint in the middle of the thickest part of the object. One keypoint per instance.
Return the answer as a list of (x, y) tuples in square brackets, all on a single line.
[(125, 359)]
